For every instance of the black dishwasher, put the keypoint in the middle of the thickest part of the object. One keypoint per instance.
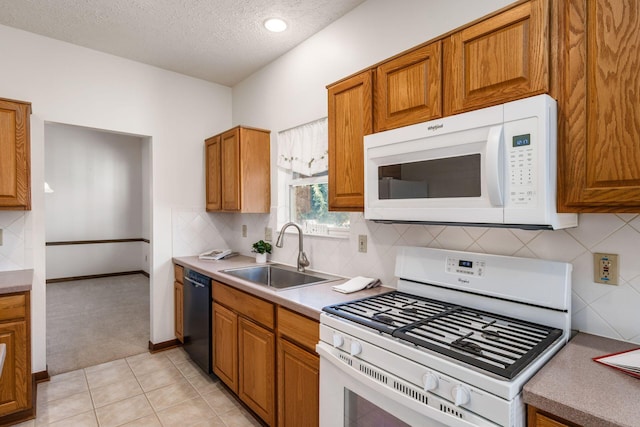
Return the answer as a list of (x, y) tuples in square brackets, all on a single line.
[(197, 318)]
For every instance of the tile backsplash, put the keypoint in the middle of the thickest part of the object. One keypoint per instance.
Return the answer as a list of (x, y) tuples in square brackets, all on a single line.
[(605, 310), (13, 253)]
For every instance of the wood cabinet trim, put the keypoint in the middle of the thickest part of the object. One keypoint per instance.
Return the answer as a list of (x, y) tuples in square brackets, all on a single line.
[(15, 155), (346, 141), (298, 394), (261, 311), (256, 376), (299, 329), (413, 96)]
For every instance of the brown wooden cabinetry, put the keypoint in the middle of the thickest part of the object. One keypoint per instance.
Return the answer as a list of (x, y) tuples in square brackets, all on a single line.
[(408, 89), (537, 418), (350, 119), (238, 171), (244, 348), (298, 370), (15, 333), (499, 59), (15, 163), (178, 301), (599, 118)]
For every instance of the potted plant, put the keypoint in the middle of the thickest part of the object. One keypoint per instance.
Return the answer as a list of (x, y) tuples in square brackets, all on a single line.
[(261, 248)]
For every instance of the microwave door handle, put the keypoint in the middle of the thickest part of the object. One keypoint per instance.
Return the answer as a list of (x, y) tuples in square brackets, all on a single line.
[(494, 165)]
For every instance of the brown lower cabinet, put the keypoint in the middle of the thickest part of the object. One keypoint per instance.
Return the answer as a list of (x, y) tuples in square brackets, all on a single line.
[(244, 348), (538, 418), (298, 370), (15, 382), (178, 302)]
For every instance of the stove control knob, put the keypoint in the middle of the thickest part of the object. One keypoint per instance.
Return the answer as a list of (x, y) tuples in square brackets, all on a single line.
[(356, 348), (337, 340), (460, 395), (430, 381)]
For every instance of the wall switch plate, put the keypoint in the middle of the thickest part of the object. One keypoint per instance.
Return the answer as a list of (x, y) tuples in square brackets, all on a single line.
[(268, 234), (244, 230), (362, 243), (605, 268), (0, 236)]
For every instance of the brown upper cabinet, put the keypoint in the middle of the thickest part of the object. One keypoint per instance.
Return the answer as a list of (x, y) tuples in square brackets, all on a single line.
[(238, 171), (408, 89), (499, 59), (15, 162), (350, 119), (599, 118), (494, 60)]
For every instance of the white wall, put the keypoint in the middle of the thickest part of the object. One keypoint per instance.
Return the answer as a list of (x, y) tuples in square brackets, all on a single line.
[(98, 195), (73, 85), (291, 91)]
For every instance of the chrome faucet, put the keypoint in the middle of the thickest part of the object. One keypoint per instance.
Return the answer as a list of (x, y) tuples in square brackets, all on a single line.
[(303, 261)]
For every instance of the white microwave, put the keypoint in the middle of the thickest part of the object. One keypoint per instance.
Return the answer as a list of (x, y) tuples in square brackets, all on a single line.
[(492, 167)]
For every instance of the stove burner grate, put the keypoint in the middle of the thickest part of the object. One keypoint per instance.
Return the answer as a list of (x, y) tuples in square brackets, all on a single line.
[(498, 344)]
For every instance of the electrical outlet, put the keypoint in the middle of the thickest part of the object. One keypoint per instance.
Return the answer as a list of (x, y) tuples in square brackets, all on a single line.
[(244, 230), (268, 234), (362, 243), (605, 268)]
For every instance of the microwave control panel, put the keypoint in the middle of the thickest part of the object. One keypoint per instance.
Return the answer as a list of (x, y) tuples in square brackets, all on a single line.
[(522, 170)]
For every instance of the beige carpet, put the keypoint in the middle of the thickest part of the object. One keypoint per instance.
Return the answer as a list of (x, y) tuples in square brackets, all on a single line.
[(96, 321)]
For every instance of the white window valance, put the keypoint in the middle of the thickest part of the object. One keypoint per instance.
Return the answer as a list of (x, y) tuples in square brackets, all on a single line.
[(304, 148)]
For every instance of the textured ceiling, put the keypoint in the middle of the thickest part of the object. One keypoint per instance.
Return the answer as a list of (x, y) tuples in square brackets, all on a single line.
[(222, 41)]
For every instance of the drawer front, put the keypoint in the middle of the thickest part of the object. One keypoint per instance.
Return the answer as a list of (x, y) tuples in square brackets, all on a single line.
[(13, 307), (298, 328), (254, 308), (178, 271)]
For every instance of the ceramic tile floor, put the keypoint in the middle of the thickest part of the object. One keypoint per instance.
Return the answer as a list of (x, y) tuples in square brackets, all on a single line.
[(162, 389)]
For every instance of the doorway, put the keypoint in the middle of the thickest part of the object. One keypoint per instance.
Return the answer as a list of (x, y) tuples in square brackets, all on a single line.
[(97, 228)]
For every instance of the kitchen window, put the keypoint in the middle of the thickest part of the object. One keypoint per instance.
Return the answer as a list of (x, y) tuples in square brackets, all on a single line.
[(303, 181)]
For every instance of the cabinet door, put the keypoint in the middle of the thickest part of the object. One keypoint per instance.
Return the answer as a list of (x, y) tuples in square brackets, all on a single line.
[(350, 118), (298, 386), (15, 191), (15, 382), (500, 59), (599, 120), (213, 173), (409, 88), (256, 388), (535, 418), (178, 307), (230, 155), (225, 346)]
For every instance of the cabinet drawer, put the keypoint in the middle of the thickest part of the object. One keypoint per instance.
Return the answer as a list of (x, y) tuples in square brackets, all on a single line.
[(13, 307), (178, 271), (254, 308), (300, 329)]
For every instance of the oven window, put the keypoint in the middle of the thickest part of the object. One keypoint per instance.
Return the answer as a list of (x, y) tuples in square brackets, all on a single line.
[(439, 178), (359, 412)]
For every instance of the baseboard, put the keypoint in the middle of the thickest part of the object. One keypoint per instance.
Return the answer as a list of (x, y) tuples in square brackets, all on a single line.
[(166, 345), (41, 376), (96, 276)]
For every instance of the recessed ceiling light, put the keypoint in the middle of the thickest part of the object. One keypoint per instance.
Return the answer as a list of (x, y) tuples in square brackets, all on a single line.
[(275, 25)]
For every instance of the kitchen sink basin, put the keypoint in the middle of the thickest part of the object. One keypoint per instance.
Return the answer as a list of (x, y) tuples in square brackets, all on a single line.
[(278, 277)]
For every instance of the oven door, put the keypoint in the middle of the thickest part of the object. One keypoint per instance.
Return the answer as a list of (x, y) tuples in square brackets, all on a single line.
[(369, 397)]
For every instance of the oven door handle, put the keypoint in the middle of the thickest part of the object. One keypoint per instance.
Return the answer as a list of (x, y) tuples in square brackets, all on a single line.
[(494, 165)]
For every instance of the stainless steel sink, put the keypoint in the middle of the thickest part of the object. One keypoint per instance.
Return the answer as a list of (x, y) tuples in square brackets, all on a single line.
[(278, 277)]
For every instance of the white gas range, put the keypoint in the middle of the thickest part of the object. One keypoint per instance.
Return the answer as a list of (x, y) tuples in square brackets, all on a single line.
[(453, 346)]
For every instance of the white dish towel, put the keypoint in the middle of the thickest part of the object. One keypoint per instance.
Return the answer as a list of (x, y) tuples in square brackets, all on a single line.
[(357, 284)]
